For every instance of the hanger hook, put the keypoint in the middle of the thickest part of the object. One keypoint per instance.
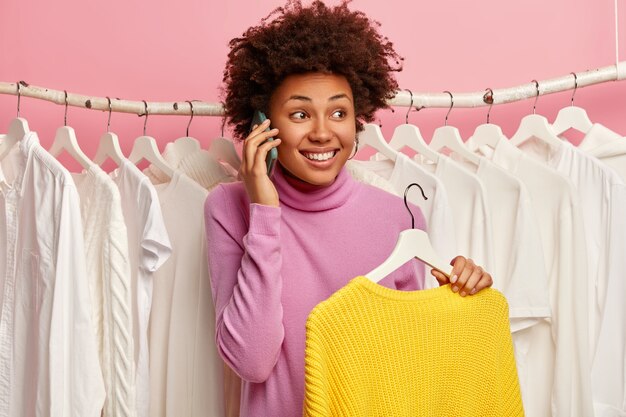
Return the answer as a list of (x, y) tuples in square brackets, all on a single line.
[(537, 96), (488, 98), (407, 204), (450, 109), (223, 124), (410, 107), (65, 118), (575, 86), (19, 95), (110, 109), (145, 122), (189, 124)]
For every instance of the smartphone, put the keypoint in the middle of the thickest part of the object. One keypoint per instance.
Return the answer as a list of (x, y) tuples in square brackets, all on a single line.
[(270, 160)]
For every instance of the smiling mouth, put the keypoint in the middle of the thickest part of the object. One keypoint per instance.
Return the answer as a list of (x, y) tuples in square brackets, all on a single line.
[(319, 156)]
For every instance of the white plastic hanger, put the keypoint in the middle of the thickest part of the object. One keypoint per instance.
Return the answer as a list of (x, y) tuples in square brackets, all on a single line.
[(411, 243), (18, 128), (488, 133), (409, 136), (449, 137), (145, 147), (535, 126), (109, 145), (187, 145), (65, 139), (223, 149), (373, 136), (572, 117)]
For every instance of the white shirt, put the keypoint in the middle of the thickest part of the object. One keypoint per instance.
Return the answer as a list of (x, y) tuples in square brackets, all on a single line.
[(48, 356), (520, 271), (149, 247), (199, 165), (436, 209), (556, 354), (608, 146), (601, 191), (470, 210), (185, 368), (108, 274)]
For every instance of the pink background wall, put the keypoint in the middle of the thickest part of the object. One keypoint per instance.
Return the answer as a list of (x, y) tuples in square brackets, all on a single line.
[(175, 51)]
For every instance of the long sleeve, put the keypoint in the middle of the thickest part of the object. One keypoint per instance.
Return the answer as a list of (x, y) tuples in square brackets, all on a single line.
[(245, 268), (76, 385)]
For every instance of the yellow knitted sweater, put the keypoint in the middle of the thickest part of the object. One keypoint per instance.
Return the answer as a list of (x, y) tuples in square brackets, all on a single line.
[(373, 351)]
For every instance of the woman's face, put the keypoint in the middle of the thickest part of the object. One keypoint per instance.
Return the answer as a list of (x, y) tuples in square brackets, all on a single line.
[(314, 113)]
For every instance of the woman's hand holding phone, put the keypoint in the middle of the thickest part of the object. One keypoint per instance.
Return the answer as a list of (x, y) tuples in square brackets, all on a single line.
[(253, 170)]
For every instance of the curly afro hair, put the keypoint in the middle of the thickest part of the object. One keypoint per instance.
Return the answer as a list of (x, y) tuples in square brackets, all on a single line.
[(301, 39)]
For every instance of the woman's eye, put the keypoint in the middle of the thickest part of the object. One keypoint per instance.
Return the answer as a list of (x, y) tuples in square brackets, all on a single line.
[(298, 115), (339, 114)]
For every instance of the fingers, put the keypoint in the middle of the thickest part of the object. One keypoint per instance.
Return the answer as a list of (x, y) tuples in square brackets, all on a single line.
[(255, 150), (467, 277), (440, 277)]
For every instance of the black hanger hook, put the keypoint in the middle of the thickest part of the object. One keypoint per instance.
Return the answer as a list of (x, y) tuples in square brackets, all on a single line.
[(488, 98), (575, 86), (19, 96), (189, 124), (110, 109), (537, 96), (65, 118), (410, 107), (145, 122), (406, 204), (450, 109)]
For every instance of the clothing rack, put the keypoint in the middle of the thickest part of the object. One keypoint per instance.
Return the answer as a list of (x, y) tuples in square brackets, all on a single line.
[(403, 98)]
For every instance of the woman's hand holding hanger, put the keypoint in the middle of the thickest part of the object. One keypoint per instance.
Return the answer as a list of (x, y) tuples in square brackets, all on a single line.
[(253, 170), (466, 278)]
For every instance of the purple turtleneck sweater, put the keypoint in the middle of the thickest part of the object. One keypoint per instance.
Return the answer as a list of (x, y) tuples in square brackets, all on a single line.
[(270, 266)]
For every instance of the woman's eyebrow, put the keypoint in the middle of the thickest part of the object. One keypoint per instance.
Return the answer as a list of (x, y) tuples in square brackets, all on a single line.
[(309, 99)]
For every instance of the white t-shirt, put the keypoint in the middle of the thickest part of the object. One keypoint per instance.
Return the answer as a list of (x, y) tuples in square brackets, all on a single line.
[(108, 274), (607, 146), (601, 191), (48, 355), (436, 209), (149, 247), (470, 210), (520, 271), (185, 368), (553, 356)]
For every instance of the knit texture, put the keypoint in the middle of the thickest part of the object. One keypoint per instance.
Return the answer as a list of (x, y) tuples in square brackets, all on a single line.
[(108, 270), (374, 351)]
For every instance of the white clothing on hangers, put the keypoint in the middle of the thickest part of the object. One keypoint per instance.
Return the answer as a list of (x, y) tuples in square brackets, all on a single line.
[(553, 356), (48, 355), (108, 274), (436, 210), (470, 210), (601, 191), (520, 271), (200, 166), (185, 368), (608, 146), (149, 247)]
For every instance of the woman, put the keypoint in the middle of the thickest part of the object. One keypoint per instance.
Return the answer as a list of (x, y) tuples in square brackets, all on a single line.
[(278, 246)]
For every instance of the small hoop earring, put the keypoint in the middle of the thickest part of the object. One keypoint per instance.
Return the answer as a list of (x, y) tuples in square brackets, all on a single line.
[(356, 148)]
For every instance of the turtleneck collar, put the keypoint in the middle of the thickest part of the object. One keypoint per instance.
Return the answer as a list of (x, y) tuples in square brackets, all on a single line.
[(303, 196)]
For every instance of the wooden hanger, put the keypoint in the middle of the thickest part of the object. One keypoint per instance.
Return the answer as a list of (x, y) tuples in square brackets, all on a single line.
[(65, 140), (109, 145), (145, 147), (411, 243)]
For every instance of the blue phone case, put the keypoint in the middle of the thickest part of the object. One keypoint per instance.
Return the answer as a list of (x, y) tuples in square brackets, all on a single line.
[(270, 160)]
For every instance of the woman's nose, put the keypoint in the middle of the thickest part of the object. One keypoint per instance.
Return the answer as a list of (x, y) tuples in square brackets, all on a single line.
[(321, 132)]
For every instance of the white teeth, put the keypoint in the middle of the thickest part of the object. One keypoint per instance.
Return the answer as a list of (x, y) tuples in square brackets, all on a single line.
[(319, 156)]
